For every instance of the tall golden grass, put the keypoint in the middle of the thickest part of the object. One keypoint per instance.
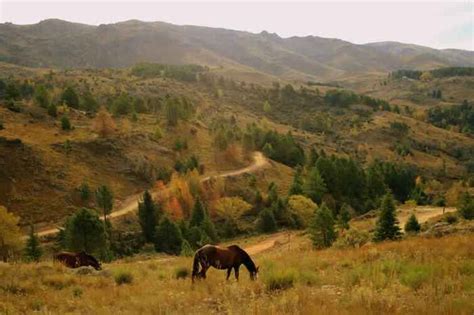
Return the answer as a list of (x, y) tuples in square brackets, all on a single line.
[(414, 276)]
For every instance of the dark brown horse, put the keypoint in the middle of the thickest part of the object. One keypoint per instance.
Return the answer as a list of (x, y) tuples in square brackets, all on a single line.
[(222, 258), (75, 260)]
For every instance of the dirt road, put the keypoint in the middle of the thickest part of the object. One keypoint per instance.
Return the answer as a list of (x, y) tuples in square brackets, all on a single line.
[(422, 213), (130, 203)]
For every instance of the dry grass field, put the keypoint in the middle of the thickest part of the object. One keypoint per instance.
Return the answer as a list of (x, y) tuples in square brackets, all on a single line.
[(413, 276)]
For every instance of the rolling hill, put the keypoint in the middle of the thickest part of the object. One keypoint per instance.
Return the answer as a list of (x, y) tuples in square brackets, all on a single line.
[(57, 43)]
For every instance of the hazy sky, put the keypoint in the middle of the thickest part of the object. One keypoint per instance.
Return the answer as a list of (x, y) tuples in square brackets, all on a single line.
[(434, 24)]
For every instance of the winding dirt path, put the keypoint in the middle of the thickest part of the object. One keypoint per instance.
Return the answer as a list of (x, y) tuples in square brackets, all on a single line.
[(130, 203), (422, 213)]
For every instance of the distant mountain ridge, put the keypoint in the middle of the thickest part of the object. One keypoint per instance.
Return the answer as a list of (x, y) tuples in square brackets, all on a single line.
[(57, 43)]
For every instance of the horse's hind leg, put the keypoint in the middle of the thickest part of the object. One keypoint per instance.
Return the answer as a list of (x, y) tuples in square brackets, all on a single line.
[(228, 273)]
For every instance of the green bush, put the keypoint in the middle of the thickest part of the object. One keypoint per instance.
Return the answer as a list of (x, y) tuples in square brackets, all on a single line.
[(415, 277), (280, 280), (65, 123), (181, 273), (123, 277)]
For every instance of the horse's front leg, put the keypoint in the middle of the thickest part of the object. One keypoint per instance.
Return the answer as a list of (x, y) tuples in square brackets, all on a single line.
[(203, 271), (237, 272), (229, 270)]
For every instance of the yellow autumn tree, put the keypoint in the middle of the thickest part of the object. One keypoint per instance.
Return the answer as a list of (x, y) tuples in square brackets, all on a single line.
[(303, 207), (179, 188), (231, 207), (10, 235), (104, 124)]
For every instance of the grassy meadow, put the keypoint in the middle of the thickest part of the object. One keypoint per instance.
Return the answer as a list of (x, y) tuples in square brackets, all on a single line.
[(413, 276)]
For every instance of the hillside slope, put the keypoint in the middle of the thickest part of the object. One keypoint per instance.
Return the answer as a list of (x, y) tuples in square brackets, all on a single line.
[(56, 43)]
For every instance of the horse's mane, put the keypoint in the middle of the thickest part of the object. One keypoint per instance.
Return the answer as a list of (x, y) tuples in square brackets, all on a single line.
[(247, 261)]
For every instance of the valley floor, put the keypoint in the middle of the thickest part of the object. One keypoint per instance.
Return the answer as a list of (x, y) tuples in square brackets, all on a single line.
[(417, 276)]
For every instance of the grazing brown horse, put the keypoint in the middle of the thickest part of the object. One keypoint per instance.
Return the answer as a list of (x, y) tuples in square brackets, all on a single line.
[(75, 260), (222, 258)]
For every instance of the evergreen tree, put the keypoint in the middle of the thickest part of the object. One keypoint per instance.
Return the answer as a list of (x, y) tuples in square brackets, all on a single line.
[(41, 96), (89, 103), (198, 214), (33, 250), (209, 229), (195, 236), (52, 110), (314, 186), (343, 218), (466, 206), (171, 111), (148, 217), (186, 249), (322, 228), (70, 98), (85, 232), (85, 192), (272, 193), (297, 185), (105, 200), (11, 91), (387, 223), (168, 238), (121, 105), (412, 225), (267, 222), (313, 157)]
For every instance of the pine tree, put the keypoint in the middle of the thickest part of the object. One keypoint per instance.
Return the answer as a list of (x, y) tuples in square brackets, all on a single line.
[(412, 225), (343, 218), (41, 96), (314, 186), (85, 232), (466, 206), (267, 222), (272, 194), (313, 157), (297, 185), (70, 98), (322, 228), (186, 249), (33, 250), (148, 217), (195, 236), (387, 223), (168, 238), (85, 192), (105, 200), (52, 110), (171, 111), (198, 214), (209, 229)]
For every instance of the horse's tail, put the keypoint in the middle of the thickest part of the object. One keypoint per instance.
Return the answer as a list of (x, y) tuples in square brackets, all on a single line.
[(195, 266)]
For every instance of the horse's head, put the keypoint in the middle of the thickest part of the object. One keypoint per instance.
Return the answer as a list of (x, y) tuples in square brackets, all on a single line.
[(89, 260), (254, 274)]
